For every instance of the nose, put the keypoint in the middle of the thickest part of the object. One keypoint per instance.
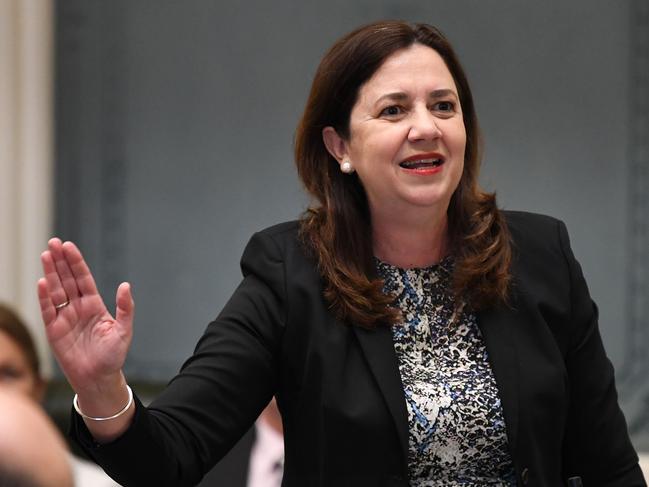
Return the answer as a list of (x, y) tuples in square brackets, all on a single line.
[(425, 126)]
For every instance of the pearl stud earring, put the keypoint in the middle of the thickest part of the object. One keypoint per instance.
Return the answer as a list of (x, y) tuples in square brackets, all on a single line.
[(346, 167)]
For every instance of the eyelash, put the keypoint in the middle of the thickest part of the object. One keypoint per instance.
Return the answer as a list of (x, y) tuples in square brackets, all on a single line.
[(451, 108)]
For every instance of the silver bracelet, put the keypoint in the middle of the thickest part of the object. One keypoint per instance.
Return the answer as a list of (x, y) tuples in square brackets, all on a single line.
[(75, 403)]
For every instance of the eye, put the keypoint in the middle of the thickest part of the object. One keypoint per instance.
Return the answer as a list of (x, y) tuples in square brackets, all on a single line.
[(444, 106), (391, 111), (9, 373)]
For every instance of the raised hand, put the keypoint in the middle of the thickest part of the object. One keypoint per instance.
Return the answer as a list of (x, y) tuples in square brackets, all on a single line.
[(88, 342)]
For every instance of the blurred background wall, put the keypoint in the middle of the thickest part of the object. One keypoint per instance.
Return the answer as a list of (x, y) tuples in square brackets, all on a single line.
[(26, 153), (174, 127)]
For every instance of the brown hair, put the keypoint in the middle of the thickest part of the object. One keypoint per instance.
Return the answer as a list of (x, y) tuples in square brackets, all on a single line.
[(13, 326), (338, 231)]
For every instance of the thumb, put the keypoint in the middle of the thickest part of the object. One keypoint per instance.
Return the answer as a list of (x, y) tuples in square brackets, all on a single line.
[(125, 303)]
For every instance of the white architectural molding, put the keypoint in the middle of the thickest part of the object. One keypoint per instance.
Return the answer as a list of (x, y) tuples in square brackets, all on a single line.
[(26, 152)]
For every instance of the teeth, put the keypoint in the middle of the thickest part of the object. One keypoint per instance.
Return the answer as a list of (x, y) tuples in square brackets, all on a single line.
[(421, 163)]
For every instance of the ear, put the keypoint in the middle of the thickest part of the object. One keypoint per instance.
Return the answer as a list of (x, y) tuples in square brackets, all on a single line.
[(335, 144)]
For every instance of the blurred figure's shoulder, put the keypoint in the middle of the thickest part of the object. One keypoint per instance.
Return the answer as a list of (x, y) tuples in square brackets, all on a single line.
[(87, 474)]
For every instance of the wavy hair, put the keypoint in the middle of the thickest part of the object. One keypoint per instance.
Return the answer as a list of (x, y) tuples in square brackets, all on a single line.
[(12, 325), (338, 230)]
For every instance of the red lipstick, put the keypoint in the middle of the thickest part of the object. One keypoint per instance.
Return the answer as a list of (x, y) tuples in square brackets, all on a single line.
[(423, 164)]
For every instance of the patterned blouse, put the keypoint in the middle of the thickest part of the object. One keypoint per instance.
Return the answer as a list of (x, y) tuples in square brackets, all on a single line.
[(457, 432)]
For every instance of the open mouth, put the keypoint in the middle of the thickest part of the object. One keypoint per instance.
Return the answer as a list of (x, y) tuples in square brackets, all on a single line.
[(422, 163)]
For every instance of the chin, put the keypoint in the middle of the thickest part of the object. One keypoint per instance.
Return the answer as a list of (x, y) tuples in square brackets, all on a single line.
[(427, 199)]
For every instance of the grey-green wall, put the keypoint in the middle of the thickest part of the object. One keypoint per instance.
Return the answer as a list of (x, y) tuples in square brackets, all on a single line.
[(174, 135)]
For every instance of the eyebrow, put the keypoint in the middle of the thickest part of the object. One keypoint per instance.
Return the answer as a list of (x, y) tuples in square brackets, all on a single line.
[(401, 96)]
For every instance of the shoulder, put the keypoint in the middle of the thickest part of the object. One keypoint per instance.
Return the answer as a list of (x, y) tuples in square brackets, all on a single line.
[(273, 242), (543, 264), (287, 229), (523, 224), (546, 278), (541, 238), (278, 249), (87, 473), (281, 234)]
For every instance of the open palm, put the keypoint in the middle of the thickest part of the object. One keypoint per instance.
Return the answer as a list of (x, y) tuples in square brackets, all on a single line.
[(88, 342)]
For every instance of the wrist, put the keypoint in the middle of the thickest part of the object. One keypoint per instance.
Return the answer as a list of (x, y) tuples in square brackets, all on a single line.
[(121, 412), (110, 399), (105, 398)]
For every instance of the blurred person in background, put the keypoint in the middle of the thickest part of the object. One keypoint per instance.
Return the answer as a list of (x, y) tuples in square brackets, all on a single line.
[(257, 460), (267, 454), (20, 372), (32, 451)]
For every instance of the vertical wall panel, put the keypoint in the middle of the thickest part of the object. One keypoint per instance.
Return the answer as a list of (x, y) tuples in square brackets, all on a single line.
[(8, 150), (26, 37), (634, 375)]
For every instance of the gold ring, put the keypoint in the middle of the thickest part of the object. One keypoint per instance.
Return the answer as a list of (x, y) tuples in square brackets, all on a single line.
[(62, 305)]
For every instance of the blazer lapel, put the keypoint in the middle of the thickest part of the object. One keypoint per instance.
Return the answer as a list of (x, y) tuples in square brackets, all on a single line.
[(499, 329), (379, 352)]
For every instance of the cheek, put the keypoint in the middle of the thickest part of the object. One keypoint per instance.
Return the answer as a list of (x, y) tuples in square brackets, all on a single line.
[(24, 384), (459, 138), (459, 148), (378, 143), (25, 388), (456, 176)]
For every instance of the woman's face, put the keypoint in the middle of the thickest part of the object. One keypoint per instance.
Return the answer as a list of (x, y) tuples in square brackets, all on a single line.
[(15, 372), (407, 135)]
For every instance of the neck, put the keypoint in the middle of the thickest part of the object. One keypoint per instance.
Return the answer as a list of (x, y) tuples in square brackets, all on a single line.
[(407, 242)]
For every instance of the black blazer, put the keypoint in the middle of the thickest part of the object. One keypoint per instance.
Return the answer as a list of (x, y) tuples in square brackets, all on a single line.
[(339, 389), (232, 469)]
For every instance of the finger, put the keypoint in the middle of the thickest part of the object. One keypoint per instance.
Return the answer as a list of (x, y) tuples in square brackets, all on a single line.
[(63, 268), (55, 289), (80, 270), (125, 304), (48, 312)]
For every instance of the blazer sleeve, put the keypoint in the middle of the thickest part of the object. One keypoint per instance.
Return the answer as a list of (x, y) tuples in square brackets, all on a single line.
[(218, 393), (597, 445)]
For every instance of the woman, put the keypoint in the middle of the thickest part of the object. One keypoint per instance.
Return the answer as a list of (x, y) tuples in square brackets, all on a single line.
[(411, 331), (20, 372)]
